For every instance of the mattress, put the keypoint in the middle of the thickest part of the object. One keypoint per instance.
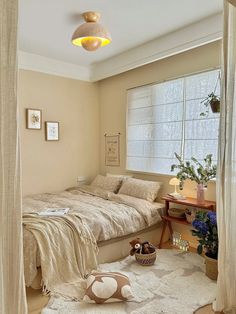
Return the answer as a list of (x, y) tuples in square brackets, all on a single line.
[(108, 215)]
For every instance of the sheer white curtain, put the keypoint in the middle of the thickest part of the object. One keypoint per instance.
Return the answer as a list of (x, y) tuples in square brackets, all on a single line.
[(226, 180), (12, 289)]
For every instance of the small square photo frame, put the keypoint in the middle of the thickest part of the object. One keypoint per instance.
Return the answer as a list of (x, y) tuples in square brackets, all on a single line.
[(51, 130), (33, 119)]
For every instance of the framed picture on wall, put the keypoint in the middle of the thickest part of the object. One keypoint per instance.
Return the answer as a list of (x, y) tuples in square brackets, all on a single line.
[(112, 150), (52, 131), (33, 119)]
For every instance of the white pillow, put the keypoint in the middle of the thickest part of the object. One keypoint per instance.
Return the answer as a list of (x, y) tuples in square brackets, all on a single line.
[(147, 190), (111, 184)]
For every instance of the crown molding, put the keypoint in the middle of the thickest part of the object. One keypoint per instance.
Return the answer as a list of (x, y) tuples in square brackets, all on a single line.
[(34, 62), (189, 37), (192, 36)]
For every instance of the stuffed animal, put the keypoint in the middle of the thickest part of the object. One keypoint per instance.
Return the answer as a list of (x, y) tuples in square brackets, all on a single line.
[(145, 248), (141, 247), (136, 246)]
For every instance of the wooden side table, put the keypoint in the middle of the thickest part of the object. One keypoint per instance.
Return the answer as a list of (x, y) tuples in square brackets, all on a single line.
[(207, 205)]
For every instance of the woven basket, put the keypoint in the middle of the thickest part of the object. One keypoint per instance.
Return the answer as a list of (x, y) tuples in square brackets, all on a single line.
[(146, 259), (176, 212), (211, 268)]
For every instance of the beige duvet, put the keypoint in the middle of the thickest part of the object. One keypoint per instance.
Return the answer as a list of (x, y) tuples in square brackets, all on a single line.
[(108, 216)]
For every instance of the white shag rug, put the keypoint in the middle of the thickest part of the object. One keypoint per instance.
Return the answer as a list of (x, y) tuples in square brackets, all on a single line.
[(175, 284)]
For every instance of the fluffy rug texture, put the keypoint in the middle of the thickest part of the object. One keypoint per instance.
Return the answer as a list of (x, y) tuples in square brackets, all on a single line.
[(175, 284)]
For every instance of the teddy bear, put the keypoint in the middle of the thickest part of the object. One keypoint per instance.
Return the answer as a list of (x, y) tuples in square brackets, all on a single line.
[(141, 247), (136, 246)]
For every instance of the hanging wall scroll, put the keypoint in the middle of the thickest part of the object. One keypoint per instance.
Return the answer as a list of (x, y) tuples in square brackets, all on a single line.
[(112, 150)]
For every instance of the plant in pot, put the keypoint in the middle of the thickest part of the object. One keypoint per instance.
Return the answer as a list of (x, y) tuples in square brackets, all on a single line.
[(205, 228), (195, 171), (212, 101)]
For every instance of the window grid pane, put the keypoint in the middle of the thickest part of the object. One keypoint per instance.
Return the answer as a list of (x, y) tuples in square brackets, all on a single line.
[(165, 118), (201, 132)]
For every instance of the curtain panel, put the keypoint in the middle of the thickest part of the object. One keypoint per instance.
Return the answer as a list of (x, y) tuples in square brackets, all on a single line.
[(12, 288), (226, 177)]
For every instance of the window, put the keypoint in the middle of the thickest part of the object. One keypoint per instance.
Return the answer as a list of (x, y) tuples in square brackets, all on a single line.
[(165, 118)]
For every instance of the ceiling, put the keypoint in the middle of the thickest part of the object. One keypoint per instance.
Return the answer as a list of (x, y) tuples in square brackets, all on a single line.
[(46, 26)]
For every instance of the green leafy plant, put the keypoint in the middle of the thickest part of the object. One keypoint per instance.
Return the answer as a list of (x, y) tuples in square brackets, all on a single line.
[(195, 171), (212, 101), (205, 228)]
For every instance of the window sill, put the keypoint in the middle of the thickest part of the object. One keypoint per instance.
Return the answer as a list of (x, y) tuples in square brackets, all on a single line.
[(150, 173), (153, 174)]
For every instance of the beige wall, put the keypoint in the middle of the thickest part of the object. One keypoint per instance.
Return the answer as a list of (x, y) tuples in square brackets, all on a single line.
[(112, 96), (53, 166)]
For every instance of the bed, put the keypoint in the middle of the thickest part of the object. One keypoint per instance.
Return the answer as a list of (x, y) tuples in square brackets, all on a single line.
[(113, 218)]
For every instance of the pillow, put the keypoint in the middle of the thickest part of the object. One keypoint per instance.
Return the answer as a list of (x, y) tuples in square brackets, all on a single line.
[(146, 190), (111, 184), (107, 287)]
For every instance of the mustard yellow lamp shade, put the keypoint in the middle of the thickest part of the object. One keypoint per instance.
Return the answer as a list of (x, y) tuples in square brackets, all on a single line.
[(91, 35)]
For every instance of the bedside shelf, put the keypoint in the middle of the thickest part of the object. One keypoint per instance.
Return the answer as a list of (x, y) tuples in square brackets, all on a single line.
[(189, 201)]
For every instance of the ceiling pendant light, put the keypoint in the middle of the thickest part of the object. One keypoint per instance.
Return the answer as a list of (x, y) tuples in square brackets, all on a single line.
[(91, 35)]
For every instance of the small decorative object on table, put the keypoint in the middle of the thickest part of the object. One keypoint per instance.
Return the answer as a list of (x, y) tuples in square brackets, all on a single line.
[(197, 172), (145, 252), (190, 215), (205, 228)]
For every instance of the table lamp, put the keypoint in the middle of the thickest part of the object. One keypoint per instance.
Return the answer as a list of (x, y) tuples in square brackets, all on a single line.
[(175, 182)]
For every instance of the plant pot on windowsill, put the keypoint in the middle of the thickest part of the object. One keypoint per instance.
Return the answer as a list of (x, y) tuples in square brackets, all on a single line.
[(211, 267)]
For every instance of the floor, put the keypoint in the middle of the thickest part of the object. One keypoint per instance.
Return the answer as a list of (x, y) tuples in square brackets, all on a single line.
[(36, 301)]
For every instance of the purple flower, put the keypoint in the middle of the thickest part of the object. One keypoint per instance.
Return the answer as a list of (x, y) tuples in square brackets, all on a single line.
[(200, 226), (212, 217)]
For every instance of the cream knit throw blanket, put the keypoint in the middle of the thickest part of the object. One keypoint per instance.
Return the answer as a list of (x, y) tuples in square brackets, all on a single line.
[(68, 252)]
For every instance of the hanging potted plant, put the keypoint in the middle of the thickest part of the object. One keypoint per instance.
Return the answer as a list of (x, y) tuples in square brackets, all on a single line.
[(197, 172), (212, 101), (205, 228)]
